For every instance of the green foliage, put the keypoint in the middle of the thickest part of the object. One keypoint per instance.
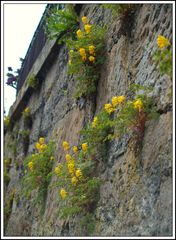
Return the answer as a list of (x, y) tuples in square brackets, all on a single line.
[(37, 171), (163, 59), (25, 135), (118, 9), (62, 23), (86, 72), (6, 178), (32, 81)]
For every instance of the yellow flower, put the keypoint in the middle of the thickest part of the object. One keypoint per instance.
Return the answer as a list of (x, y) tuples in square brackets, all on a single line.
[(78, 173), (74, 181), (51, 158), (95, 121), (84, 20), (27, 110), (65, 146), (63, 193), (162, 42), (42, 147), (79, 34), (138, 104), (30, 165), (87, 28), (91, 59), (57, 169), (41, 140), (82, 51), (92, 49), (109, 108), (37, 145), (71, 168), (84, 147), (75, 149), (68, 157), (117, 100), (84, 58)]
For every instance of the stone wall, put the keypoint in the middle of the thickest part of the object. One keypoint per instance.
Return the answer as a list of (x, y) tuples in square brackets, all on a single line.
[(136, 194)]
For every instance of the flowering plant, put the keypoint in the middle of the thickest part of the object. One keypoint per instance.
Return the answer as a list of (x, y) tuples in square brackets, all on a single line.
[(86, 56), (78, 187), (37, 169), (163, 56)]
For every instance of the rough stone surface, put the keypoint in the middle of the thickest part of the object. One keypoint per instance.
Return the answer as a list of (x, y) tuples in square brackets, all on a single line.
[(136, 194)]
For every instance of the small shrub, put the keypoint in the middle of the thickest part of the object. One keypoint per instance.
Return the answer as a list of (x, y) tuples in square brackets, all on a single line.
[(32, 81), (7, 124), (62, 23), (27, 117), (86, 55), (118, 9), (78, 186), (37, 169), (163, 56)]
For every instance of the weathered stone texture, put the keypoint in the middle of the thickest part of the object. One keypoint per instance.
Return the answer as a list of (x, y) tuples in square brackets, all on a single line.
[(136, 194)]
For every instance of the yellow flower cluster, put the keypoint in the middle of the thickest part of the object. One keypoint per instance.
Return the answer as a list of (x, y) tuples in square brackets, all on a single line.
[(87, 28), (84, 20), (75, 173), (63, 193), (79, 33), (162, 42), (65, 146), (40, 145), (109, 108), (75, 149), (82, 52), (27, 110), (138, 104), (116, 100), (95, 122), (31, 166), (84, 147), (91, 48)]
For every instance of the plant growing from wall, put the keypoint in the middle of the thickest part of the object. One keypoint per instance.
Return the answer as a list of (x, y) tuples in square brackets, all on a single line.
[(37, 169), (62, 23), (118, 9), (32, 81), (7, 123), (7, 163), (120, 117), (163, 56), (86, 57), (77, 183), (27, 117)]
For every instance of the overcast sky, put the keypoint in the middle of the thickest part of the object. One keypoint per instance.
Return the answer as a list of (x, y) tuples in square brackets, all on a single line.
[(20, 23)]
